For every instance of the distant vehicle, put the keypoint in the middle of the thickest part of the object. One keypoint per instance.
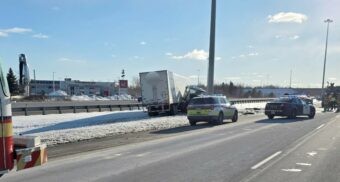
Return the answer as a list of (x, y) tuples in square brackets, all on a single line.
[(166, 92), (290, 107), (213, 109)]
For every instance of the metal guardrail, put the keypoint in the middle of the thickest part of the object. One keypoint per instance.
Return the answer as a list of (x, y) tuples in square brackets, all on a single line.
[(72, 107), (43, 108)]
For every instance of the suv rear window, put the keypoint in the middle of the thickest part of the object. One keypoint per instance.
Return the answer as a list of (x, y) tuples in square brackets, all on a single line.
[(285, 100), (206, 100)]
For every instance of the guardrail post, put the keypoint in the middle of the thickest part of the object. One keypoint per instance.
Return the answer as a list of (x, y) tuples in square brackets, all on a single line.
[(87, 108), (100, 108), (26, 113), (59, 110), (43, 111), (120, 108), (110, 107), (130, 107), (74, 109), (138, 106)]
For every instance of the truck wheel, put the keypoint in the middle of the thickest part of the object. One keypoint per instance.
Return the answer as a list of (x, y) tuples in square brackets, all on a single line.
[(173, 110), (192, 123), (152, 113), (235, 117), (270, 116)]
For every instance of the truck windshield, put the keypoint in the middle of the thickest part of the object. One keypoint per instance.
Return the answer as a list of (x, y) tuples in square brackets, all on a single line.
[(3, 80)]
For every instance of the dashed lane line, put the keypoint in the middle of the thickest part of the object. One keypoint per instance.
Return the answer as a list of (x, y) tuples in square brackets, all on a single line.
[(266, 160)]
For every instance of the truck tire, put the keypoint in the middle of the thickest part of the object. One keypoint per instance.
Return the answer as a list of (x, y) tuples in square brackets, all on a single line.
[(192, 123), (152, 113), (235, 117), (173, 110)]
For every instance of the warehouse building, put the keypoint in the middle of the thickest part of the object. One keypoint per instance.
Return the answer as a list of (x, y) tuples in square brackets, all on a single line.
[(72, 87)]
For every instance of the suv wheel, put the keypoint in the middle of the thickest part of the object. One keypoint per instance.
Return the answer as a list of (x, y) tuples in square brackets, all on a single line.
[(311, 114), (235, 117), (220, 118), (293, 114), (270, 116)]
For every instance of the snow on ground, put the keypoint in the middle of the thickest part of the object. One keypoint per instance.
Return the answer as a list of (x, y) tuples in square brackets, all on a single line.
[(94, 98), (63, 128)]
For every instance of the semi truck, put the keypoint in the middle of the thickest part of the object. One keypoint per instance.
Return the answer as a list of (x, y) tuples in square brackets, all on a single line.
[(27, 151), (166, 92)]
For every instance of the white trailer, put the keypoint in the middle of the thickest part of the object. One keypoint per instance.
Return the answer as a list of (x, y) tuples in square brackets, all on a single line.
[(162, 91)]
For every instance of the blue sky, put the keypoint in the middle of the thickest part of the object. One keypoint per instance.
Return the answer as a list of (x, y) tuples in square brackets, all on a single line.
[(257, 42)]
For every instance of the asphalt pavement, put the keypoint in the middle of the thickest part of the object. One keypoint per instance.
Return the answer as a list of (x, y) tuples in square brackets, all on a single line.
[(253, 149)]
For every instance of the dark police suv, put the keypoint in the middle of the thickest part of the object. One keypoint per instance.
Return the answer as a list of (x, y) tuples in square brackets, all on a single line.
[(290, 107)]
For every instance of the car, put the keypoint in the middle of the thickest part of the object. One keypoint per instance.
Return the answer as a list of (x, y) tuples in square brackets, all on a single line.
[(212, 109), (290, 107)]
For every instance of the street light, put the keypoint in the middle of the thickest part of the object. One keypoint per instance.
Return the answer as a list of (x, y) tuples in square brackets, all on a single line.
[(212, 49), (324, 63)]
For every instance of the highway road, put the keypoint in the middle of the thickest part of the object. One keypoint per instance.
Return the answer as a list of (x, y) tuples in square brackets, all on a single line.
[(253, 149)]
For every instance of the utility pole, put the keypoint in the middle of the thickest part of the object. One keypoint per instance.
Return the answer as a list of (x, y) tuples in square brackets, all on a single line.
[(53, 84), (198, 77), (324, 63), (212, 49), (290, 80)]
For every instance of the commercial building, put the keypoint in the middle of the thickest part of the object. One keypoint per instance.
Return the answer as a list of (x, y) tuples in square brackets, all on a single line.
[(72, 87)]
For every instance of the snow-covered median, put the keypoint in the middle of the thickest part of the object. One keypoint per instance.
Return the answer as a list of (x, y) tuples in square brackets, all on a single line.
[(63, 128)]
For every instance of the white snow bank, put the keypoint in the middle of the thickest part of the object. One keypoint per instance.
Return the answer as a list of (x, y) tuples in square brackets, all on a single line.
[(63, 128), (94, 98), (59, 93)]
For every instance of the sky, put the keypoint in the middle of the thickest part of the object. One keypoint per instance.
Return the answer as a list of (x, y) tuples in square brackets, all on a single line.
[(257, 42)]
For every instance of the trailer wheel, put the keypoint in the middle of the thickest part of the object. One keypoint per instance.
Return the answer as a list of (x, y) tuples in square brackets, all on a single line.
[(173, 110)]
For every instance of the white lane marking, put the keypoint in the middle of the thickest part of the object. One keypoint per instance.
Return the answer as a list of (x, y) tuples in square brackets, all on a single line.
[(322, 149), (320, 126), (266, 160), (292, 170), (303, 164), (113, 156), (143, 154), (313, 153), (247, 129)]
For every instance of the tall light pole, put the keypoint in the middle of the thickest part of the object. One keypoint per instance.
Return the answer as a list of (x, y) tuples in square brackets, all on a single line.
[(212, 49), (53, 84), (324, 63)]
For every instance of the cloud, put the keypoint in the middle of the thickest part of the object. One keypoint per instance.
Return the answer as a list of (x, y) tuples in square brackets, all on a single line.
[(287, 17), (16, 30), (40, 36), (142, 43), (253, 54), (232, 78), (218, 58), (194, 55), (3, 34), (168, 54), (295, 37), (68, 60)]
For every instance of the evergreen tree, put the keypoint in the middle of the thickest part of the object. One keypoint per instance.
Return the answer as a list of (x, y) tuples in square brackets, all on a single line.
[(12, 82)]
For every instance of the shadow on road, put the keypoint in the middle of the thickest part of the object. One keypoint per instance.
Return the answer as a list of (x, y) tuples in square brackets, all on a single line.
[(181, 129), (283, 120)]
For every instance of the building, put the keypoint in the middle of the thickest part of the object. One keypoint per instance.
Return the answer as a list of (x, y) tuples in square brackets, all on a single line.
[(72, 87)]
